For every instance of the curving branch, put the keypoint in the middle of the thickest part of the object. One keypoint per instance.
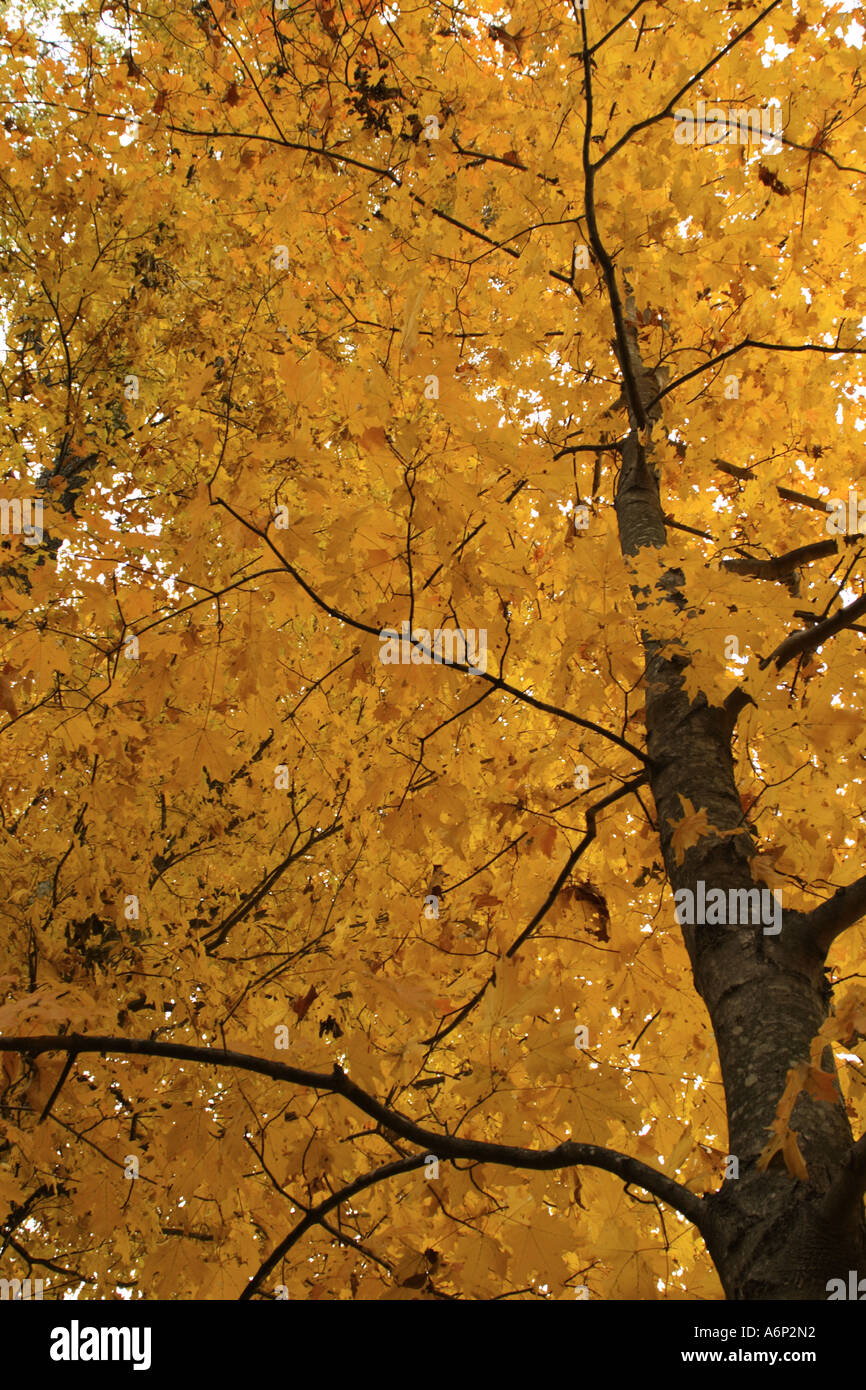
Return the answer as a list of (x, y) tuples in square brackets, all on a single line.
[(844, 1199), (538, 917), (826, 349), (781, 566), (830, 919), (340, 1236), (303, 147), (668, 108), (315, 1214), (444, 1146), (216, 935), (798, 643), (495, 682), (800, 499), (734, 704), (630, 386)]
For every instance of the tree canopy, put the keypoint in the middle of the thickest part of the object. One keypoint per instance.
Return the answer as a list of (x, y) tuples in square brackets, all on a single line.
[(431, 567)]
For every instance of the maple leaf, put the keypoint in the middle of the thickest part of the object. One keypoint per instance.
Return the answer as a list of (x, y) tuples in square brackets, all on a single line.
[(274, 387), (301, 1006), (690, 830), (512, 43), (784, 1141)]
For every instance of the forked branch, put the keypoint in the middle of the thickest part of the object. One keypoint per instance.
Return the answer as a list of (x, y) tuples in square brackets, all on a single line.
[(443, 1146)]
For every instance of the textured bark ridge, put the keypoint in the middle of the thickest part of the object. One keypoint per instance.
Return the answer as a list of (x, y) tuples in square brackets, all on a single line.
[(770, 1235)]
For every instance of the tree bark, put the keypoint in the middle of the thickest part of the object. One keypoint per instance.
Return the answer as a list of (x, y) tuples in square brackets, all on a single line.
[(770, 1235)]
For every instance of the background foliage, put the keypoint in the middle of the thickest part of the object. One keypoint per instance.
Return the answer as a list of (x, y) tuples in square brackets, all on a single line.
[(237, 277)]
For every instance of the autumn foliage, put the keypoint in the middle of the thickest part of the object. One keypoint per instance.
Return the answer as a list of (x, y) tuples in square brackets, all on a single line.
[(325, 318)]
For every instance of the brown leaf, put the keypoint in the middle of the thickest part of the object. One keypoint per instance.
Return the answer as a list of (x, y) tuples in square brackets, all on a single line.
[(302, 1005), (769, 179)]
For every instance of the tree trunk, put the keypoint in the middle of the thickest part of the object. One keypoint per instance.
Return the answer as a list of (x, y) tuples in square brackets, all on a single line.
[(771, 1235)]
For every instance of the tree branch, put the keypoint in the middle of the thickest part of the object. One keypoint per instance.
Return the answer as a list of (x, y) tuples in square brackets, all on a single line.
[(217, 934), (809, 638), (496, 682), (779, 566), (629, 384), (447, 1146), (817, 504), (846, 1194), (315, 1214), (541, 913), (668, 109), (831, 351), (830, 919), (734, 704)]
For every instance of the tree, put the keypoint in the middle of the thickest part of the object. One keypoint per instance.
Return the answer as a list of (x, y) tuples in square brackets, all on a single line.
[(433, 743)]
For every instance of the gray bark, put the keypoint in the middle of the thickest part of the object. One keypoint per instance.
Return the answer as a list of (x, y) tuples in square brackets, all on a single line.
[(770, 1235)]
